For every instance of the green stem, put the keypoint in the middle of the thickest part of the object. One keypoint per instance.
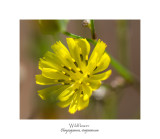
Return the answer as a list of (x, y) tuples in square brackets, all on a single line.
[(115, 64), (94, 42), (93, 30), (72, 35)]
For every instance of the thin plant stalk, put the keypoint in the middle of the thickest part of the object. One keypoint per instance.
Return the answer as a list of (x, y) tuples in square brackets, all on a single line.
[(93, 29)]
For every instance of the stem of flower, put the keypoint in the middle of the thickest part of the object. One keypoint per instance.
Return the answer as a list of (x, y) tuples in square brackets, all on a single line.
[(72, 35), (94, 42), (93, 30)]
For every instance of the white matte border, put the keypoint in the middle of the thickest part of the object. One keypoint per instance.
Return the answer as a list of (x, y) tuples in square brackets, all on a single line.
[(146, 11)]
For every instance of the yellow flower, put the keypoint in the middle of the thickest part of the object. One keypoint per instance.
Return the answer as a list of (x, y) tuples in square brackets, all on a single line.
[(74, 75)]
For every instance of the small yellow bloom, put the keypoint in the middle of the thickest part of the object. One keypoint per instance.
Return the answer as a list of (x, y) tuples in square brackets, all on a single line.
[(73, 74)]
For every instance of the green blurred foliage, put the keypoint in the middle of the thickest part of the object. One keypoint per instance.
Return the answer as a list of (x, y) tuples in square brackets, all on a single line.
[(52, 27), (122, 38), (40, 44), (110, 106), (49, 33)]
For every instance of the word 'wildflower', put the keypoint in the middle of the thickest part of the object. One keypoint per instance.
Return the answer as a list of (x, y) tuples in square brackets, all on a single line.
[(74, 75)]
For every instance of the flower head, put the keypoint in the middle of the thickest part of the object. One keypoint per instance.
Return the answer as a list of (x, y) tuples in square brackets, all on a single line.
[(72, 73)]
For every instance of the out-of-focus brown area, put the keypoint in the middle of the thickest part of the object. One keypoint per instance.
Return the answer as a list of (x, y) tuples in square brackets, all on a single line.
[(33, 44)]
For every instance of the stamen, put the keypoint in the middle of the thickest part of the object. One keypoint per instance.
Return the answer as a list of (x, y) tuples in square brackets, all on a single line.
[(82, 92), (66, 68), (81, 71), (61, 80), (72, 80), (86, 62), (76, 90), (75, 63), (67, 74), (66, 83), (81, 56), (73, 70), (95, 68), (88, 75)]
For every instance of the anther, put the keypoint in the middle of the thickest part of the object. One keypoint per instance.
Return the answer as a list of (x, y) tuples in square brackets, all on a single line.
[(73, 70), (82, 92), (61, 80), (86, 62), (75, 63), (81, 71), (67, 74), (66, 68), (81, 56), (76, 90), (88, 75), (95, 68), (66, 83)]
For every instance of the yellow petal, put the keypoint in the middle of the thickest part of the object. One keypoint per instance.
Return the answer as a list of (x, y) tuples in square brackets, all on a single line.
[(94, 84), (53, 60), (92, 63), (71, 45), (61, 52), (82, 104), (103, 63), (101, 76), (50, 91), (53, 74), (87, 92), (74, 104), (85, 47), (99, 49), (59, 49), (64, 104), (45, 64), (45, 81), (76, 50), (66, 94), (63, 55)]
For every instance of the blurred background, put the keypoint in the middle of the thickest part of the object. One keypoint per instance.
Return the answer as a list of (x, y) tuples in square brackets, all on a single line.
[(116, 98)]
